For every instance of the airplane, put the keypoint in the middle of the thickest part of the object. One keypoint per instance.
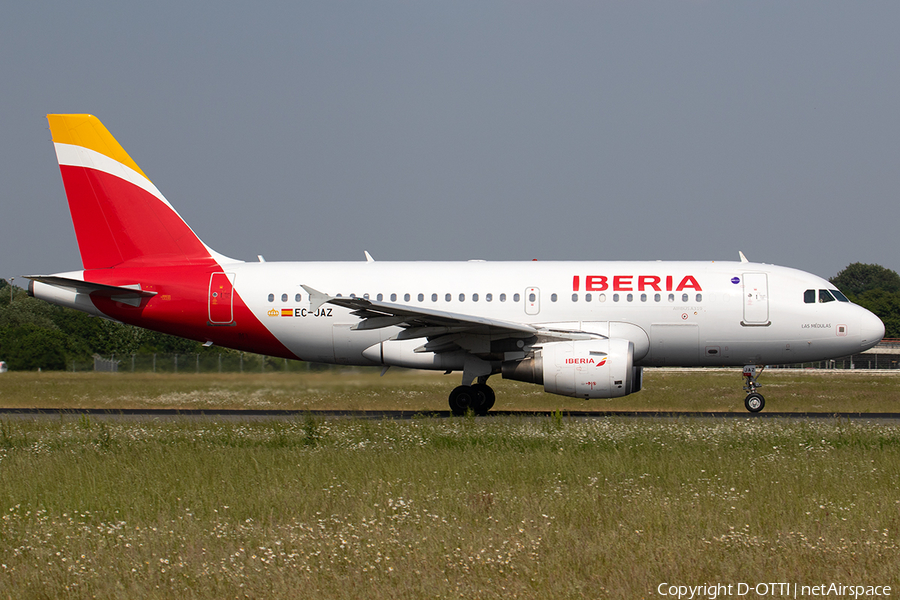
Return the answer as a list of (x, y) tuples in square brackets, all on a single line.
[(584, 329)]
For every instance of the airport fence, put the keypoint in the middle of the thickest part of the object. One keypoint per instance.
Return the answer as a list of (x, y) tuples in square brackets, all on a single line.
[(232, 362), (884, 356), (857, 361)]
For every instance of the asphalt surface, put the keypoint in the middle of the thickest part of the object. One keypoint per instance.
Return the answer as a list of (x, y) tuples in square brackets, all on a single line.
[(165, 413)]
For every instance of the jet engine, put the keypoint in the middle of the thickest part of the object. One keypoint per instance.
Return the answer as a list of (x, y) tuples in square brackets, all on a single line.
[(581, 369)]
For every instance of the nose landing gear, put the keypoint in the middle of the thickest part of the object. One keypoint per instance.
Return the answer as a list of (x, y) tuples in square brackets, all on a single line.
[(754, 402)]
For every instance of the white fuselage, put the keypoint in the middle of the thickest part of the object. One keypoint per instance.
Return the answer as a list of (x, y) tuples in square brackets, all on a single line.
[(692, 313)]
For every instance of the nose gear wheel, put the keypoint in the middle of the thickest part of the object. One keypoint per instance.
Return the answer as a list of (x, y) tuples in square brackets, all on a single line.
[(754, 402)]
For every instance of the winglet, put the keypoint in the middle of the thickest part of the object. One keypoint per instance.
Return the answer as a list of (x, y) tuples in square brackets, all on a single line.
[(368, 256), (743, 258), (316, 298)]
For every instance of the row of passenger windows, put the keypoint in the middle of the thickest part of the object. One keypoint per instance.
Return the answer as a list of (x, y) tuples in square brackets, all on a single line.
[(532, 297), (809, 296)]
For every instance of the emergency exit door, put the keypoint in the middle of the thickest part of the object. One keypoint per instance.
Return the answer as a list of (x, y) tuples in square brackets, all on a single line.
[(532, 301), (756, 299), (221, 298)]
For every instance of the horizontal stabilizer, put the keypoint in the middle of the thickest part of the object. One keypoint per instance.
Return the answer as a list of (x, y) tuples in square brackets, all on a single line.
[(114, 292)]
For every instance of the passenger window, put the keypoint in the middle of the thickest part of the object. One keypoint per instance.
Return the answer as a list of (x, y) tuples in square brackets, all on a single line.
[(615, 297), (532, 297), (684, 297), (284, 297), (671, 297), (602, 297), (643, 297), (837, 294), (516, 297), (379, 297), (657, 297), (297, 298), (434, 297), (462, 297), (474, 297), (699, 297), (587, 297), (825, 296), (630, 297), (488, 297), (366, 296), (421, 297), (574, 297), (809, 296), (552, 297), (502, 297), (406, 297), (271, 297), (393, 297), (447, 297)]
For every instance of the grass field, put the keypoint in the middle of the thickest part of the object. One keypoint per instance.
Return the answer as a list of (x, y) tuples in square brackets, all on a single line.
[(505, 507), (702, 390)]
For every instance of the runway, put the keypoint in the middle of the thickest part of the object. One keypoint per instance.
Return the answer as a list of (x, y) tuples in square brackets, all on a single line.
[(256, 415)]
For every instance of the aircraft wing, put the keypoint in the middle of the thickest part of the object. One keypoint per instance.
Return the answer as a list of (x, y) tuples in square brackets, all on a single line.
[(445, 331), (376, 315)]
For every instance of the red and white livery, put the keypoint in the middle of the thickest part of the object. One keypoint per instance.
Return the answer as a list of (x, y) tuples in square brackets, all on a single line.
[(583, 329)]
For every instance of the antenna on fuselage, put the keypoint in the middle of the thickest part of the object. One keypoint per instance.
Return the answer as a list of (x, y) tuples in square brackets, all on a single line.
[(743, 258)]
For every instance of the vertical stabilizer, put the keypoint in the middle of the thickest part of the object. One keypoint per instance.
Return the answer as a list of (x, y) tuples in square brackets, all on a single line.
[(120, 218)]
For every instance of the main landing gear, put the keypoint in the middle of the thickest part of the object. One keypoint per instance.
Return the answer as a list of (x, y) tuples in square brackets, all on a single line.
[(754, 400), (479, 397)]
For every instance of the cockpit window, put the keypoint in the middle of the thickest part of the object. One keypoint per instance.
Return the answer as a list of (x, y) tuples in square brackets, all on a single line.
[(841, 298), (825, 296), (809, 296)]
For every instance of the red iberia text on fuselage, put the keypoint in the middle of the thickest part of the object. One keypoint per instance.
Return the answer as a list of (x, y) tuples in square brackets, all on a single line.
[(634, 283)]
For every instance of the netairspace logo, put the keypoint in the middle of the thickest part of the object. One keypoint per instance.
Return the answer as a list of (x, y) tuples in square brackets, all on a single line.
[(772, 590)]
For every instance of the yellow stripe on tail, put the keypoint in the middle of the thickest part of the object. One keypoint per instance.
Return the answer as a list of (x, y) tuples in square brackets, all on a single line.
[(88, 132)]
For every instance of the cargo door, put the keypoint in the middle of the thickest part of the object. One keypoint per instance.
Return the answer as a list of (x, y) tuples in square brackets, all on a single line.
[(756, 299), (675, 344), (221, 299)]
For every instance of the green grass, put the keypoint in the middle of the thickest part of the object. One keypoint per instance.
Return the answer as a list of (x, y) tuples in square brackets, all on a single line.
[(703, 390), (506, 507)]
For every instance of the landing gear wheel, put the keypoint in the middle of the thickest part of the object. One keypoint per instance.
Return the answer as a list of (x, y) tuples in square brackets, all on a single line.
[(754, 402), (484, 398), (460, 400)]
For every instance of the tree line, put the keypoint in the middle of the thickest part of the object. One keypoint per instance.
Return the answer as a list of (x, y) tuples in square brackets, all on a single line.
[(38, 335), (876, 288)]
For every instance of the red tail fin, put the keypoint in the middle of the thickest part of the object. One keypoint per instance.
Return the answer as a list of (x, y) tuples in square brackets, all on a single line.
[(120, 218)]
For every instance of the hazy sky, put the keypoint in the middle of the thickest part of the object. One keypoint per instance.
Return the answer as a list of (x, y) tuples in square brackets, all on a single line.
[(457, 130)]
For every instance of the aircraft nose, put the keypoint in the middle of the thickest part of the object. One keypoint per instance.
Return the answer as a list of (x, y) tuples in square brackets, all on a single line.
[(871, 330)]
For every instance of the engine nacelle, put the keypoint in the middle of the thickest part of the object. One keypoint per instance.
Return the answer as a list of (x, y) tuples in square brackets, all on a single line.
[(581, 369)]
